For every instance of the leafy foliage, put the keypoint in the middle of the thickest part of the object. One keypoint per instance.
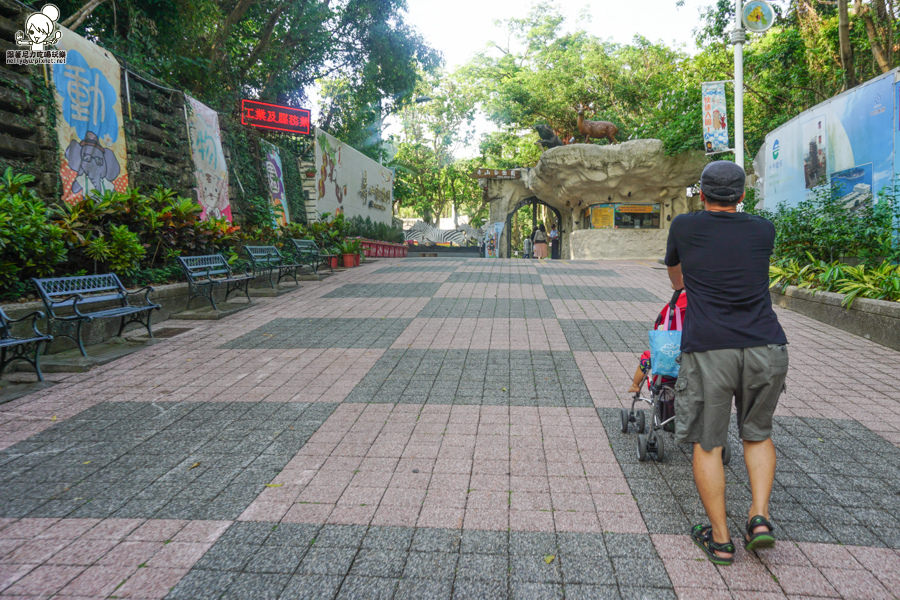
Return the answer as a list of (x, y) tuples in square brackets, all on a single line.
[(30, 245), (822, 228), (879, 282), (366, 228)]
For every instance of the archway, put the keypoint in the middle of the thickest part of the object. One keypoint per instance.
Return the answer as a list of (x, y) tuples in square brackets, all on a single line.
[(533, 202)]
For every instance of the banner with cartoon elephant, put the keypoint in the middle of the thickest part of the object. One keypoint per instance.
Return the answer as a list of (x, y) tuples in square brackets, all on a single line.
[(89, 122), (275, 181), (210, 169)]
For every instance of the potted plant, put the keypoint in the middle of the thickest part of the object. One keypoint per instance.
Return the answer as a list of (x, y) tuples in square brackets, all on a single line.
[(345, 249), (355, 247)]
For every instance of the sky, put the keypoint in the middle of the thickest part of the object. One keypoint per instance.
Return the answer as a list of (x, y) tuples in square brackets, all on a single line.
[(461, 28)]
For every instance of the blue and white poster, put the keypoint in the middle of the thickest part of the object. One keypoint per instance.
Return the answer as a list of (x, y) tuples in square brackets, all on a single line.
[(848, 143)]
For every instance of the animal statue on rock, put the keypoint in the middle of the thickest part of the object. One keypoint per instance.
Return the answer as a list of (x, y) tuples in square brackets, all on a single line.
[(595, 129), (548, 138)]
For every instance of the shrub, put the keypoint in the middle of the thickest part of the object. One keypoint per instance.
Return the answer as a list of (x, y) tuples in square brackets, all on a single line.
[(822, 228), (881, 282), (30, 245)]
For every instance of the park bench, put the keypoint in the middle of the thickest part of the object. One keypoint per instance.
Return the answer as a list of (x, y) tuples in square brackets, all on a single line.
[(73, 301), (18, 348), (308, 253), (266, 260), (206, 273)]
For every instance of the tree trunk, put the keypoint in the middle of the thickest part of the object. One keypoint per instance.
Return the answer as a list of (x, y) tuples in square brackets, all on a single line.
[(863, 12), (846, 48)]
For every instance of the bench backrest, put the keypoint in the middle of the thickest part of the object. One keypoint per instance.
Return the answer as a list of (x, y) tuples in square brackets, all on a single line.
[(264, 256), (305, 246), (57, 292), (207, 266)]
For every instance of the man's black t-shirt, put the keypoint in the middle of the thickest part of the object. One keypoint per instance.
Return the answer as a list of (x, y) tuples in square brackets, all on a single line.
[(725, 262)]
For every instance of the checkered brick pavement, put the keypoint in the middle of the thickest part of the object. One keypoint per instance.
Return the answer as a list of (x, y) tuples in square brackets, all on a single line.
[(419, 428)]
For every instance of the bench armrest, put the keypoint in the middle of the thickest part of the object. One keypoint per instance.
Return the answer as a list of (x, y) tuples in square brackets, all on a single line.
[(74, 298), (34, 316), (145, 290)]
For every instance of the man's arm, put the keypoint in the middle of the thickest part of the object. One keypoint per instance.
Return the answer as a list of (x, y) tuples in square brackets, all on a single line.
[(676, 277)]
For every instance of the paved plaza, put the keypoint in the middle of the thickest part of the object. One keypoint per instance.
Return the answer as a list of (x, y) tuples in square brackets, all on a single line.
[(434, 428)]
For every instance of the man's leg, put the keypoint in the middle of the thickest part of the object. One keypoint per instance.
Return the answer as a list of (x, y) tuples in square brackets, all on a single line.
[(760, 460), (709, 476)]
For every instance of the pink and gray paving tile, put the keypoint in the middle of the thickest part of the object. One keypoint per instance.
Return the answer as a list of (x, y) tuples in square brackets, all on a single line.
[(433, 428)]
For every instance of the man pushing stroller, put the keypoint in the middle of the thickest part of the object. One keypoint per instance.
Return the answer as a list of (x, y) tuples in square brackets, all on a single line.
[(732, 347)]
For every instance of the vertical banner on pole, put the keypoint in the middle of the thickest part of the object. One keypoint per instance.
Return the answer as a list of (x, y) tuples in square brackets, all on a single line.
[(715, 123)]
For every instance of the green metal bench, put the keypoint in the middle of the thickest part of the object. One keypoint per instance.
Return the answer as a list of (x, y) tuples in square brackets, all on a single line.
[(73, 301), (17, 348), (266, 260), (308, 253), (207, 272)]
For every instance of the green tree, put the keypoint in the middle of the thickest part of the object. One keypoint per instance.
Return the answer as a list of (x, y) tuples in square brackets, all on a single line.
[(430, 181), (220, 50)]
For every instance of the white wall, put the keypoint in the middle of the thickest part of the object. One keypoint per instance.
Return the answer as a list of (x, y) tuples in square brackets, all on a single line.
[(350, 182)]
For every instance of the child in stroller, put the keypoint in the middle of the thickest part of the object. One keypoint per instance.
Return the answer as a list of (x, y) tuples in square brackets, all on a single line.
[(662, 391)]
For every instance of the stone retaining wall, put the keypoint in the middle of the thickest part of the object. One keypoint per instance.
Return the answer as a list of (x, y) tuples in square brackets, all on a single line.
[(876, 320)]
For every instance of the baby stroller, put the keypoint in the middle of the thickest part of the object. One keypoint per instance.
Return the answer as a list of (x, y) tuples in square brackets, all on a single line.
[(650, 442)]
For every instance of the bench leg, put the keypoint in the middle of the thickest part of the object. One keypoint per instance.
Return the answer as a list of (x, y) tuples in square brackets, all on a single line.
[(37, 360), (21, 352), (80, 342)]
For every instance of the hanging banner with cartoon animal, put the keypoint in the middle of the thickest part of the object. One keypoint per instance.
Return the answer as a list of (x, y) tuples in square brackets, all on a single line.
[(350, 183), (89, 119), (715, 125), (210, 169), (275, 182)]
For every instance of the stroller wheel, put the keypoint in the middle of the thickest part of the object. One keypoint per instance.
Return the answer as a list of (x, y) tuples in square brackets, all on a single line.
[(625, 418), (726, 453), (642, 447), (660, 448), (640, 421)]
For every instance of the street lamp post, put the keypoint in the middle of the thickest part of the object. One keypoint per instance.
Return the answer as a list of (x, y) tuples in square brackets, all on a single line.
[(738, 37)]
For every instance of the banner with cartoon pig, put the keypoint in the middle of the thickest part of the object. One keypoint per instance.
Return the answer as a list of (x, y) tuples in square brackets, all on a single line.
[(349, 182), (89, 122), (275, 181), (210, 169)]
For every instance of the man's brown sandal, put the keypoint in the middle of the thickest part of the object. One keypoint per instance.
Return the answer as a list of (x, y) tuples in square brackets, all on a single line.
[(702, 536), (763, 539)]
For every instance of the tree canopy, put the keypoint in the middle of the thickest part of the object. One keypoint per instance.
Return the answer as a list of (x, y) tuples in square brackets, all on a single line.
[(273, 50)]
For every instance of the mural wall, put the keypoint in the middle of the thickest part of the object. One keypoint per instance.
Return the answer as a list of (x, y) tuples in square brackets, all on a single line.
[(89, 119), (350, 182), (849, 142)]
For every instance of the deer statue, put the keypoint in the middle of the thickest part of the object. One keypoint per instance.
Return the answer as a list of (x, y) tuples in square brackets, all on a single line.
[(596, 129)]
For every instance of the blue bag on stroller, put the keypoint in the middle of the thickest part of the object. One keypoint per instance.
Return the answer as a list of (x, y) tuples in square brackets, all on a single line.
[(665, 344)]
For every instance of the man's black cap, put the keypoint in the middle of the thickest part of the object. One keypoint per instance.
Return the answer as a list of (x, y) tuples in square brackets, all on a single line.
[(722, 181)]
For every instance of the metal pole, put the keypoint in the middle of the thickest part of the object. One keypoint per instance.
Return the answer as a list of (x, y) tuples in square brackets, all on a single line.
[(738, 38)]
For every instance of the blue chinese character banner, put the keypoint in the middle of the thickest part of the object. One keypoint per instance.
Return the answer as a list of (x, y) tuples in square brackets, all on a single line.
[(210, 169), (89, 122), (715, 123)]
